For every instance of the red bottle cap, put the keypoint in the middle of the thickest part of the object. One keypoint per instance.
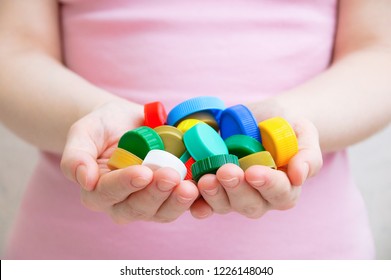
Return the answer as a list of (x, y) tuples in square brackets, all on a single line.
[(188, 164), (154, 114)]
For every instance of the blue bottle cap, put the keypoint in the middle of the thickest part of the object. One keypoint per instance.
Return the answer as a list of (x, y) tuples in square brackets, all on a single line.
[(238, 119), (210, 104)]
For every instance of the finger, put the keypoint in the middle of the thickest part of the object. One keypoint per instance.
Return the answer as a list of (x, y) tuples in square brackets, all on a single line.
[(214, 194), (243, 198), (274, 186), (143, 205), (200, 209), (178, 202), (78, 161), (116, 186), (308, 161)]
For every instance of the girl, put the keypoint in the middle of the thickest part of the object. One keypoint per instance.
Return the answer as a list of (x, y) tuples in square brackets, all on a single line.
[(75, 73)]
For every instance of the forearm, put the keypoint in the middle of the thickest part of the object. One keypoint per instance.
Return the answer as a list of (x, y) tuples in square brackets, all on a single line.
[(351, 100), (41, 99), (347, 103)]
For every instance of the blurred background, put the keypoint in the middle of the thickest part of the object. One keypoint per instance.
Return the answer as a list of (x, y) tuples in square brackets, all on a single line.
[(370, 160)]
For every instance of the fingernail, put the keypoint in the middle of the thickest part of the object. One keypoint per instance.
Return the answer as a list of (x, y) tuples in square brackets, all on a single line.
[(211, 191), (204, 215), (183, 199), (81, 175), (230, 183), (257, 184), (140, 182), (165, 185)]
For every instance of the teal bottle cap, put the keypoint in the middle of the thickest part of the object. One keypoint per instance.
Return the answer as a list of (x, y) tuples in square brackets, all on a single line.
[(203, 141), (210, 165), (140, 141), (185, 156), (238, 119), (243, 145), (210, 104)]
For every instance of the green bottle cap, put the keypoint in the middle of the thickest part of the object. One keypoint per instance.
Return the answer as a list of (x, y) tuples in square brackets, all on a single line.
[(203, 141), (172, 139), (210, 165), (140, 141), (243, 145)]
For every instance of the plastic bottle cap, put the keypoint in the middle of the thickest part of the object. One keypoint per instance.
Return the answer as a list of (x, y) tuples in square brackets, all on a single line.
[(210, 165), (172, 139), (206, 117), (140, 141), (238, 120), (243, 145), (185, 157), (279, 138), (122, 158), (210, 104), (260, 158), (188, 164), (154, 114), (186, 124), (203, 141), (156, 159)]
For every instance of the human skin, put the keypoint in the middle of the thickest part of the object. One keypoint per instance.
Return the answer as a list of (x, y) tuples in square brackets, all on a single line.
[(76, 125)]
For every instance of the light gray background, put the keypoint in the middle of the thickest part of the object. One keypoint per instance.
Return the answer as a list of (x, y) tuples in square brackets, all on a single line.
[(371, 165)]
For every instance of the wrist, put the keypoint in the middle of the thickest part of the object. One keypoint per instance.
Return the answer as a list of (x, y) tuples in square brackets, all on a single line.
[(269, 108)]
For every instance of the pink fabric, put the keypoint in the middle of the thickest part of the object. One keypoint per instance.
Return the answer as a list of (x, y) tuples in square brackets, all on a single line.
[(171, 51)]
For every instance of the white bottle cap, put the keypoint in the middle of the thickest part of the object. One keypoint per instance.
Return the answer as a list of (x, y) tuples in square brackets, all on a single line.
[(156, 159)]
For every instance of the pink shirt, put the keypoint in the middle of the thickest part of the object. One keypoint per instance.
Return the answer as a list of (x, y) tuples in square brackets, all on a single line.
[(170, 51)]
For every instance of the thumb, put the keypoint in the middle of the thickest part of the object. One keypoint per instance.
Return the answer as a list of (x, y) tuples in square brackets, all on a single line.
[(79, 159), (308, 161)]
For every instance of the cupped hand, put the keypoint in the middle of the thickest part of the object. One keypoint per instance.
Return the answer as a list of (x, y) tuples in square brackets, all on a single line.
[(260, 189), (129, 194)]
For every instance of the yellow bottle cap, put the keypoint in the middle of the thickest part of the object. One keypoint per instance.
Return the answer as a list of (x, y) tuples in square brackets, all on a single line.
[(122, 158), (206, 117), (278, 138), (172, 139), (185, 125), (260, 158)]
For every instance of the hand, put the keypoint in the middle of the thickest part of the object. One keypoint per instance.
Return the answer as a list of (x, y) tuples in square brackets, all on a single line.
[(129, 194), (260, 189)]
